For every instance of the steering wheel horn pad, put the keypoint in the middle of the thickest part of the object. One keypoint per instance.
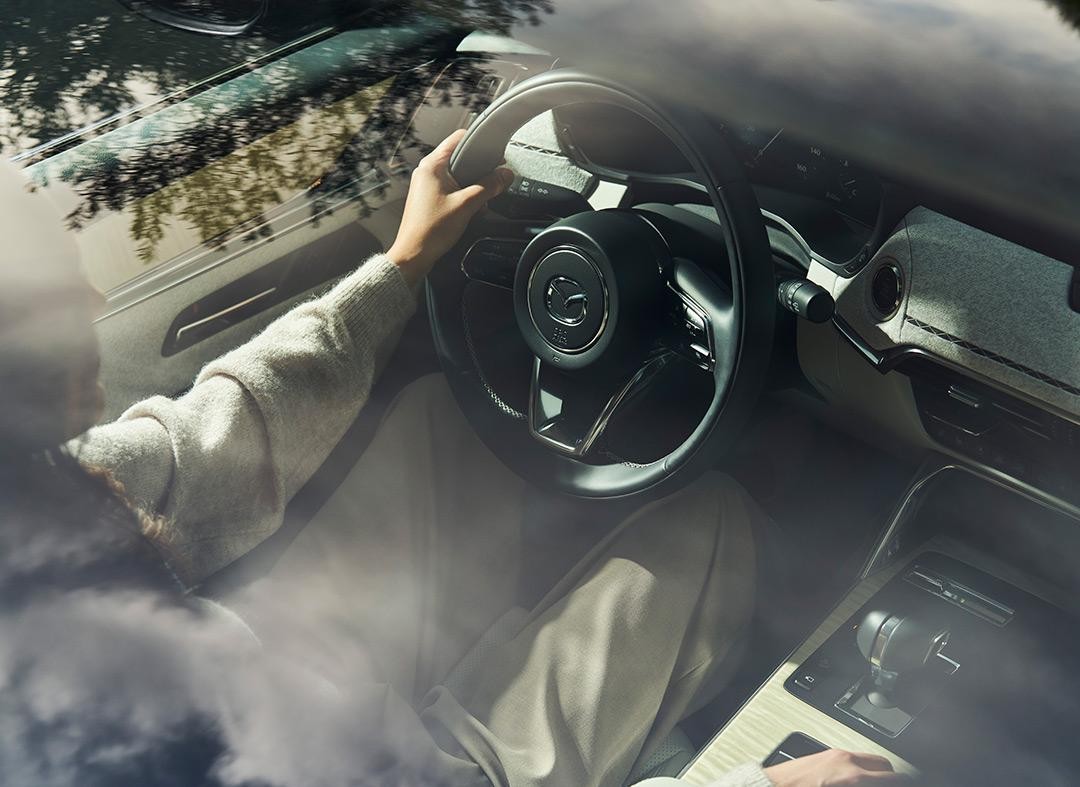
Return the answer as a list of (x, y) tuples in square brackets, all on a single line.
[(584, 287), (567, 303)]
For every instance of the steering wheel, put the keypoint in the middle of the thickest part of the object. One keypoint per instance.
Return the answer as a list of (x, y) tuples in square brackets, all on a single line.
[(621, 322)]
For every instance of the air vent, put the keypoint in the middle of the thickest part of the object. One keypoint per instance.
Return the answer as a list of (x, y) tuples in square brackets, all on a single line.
[(887, 290)]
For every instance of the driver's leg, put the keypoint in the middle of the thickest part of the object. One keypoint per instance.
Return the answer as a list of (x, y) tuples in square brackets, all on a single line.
[(399, 575), (616, 654), (408, 564)]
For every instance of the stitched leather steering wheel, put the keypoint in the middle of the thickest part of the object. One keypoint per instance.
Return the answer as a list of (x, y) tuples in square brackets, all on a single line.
[(650, 325)]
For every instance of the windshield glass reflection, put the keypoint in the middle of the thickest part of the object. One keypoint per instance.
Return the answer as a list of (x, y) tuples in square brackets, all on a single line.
[(181, 140), (203, 139)]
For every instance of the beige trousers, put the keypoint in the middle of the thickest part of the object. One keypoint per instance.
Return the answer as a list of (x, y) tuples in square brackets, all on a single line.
[(418, 554)]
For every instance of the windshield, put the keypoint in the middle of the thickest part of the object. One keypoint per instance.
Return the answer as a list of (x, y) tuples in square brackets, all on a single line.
[(73, 72)]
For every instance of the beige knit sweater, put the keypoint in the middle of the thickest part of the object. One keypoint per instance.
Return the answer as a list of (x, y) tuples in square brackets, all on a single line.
[(220, 463)]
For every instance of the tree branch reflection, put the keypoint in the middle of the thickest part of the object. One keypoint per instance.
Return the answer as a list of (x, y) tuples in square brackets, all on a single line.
[(214, 166)]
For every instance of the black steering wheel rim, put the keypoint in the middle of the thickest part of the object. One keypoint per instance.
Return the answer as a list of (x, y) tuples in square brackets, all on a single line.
[(753, 303)]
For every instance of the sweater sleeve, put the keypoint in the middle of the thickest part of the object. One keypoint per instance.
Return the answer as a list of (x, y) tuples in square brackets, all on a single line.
[(219, 464)]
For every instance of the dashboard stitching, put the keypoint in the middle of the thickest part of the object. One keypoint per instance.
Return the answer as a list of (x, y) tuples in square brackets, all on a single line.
[(992, 356), (537, 149)]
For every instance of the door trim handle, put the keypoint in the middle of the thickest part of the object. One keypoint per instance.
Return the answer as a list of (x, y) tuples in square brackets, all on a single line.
[(223, 312)]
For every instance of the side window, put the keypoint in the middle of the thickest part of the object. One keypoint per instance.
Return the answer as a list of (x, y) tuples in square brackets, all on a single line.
[(163, 142), (67, 67)]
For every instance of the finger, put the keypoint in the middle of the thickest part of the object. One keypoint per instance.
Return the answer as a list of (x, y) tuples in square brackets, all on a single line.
[(445, 149), (883, 777), (871, 762), (491, 185), (451, 141)]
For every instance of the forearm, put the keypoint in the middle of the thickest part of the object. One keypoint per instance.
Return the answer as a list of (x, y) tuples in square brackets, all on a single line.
[(307, 375), (220, 463)]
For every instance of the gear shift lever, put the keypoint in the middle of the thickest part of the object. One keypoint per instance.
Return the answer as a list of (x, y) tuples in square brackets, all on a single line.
[(893, 645)]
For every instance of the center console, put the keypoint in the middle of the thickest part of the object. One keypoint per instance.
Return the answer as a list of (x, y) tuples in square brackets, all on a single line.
[(961, 674), (935, 661)]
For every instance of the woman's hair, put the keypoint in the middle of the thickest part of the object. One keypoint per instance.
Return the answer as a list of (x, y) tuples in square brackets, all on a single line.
[(70, 543), (65, 526)]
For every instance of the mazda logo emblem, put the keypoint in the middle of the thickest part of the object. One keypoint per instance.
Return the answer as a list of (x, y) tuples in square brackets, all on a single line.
[(566, 301)]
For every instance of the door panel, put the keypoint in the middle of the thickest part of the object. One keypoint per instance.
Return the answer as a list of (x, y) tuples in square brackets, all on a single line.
[(132, 339)]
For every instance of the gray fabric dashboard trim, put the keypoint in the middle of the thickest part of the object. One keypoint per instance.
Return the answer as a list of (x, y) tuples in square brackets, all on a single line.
[(1044, 378), (537, 149), (534, 152), (976, 300)]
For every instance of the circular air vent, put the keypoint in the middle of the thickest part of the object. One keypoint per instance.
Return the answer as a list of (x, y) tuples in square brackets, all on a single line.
[(887, 289)]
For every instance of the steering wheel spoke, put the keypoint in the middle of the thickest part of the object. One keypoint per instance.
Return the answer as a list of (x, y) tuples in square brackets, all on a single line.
[(493, 246), (700, 314), (493, 261), (570, 412)]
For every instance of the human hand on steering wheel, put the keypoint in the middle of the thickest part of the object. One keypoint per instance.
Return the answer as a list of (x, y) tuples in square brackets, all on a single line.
[(437, 210)]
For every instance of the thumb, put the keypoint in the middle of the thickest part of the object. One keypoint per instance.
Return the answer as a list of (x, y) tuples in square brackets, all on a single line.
[(491, 185)]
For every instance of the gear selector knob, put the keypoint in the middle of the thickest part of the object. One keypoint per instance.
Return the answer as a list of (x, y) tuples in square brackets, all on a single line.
[(895, 644)]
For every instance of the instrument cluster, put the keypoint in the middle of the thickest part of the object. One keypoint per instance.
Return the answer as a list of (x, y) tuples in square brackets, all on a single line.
[(776, 158)]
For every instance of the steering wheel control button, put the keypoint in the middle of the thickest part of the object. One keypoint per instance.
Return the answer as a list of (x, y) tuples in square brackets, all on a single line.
[(694, 321), (887, 290), (567, 300), (532, 198)]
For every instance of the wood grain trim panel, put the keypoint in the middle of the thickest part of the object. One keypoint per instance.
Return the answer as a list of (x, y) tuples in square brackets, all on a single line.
[(772, 713)]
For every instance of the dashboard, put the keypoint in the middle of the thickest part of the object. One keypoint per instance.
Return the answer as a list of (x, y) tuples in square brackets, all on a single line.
[(968, 317), (827, 203), (989, 387)]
